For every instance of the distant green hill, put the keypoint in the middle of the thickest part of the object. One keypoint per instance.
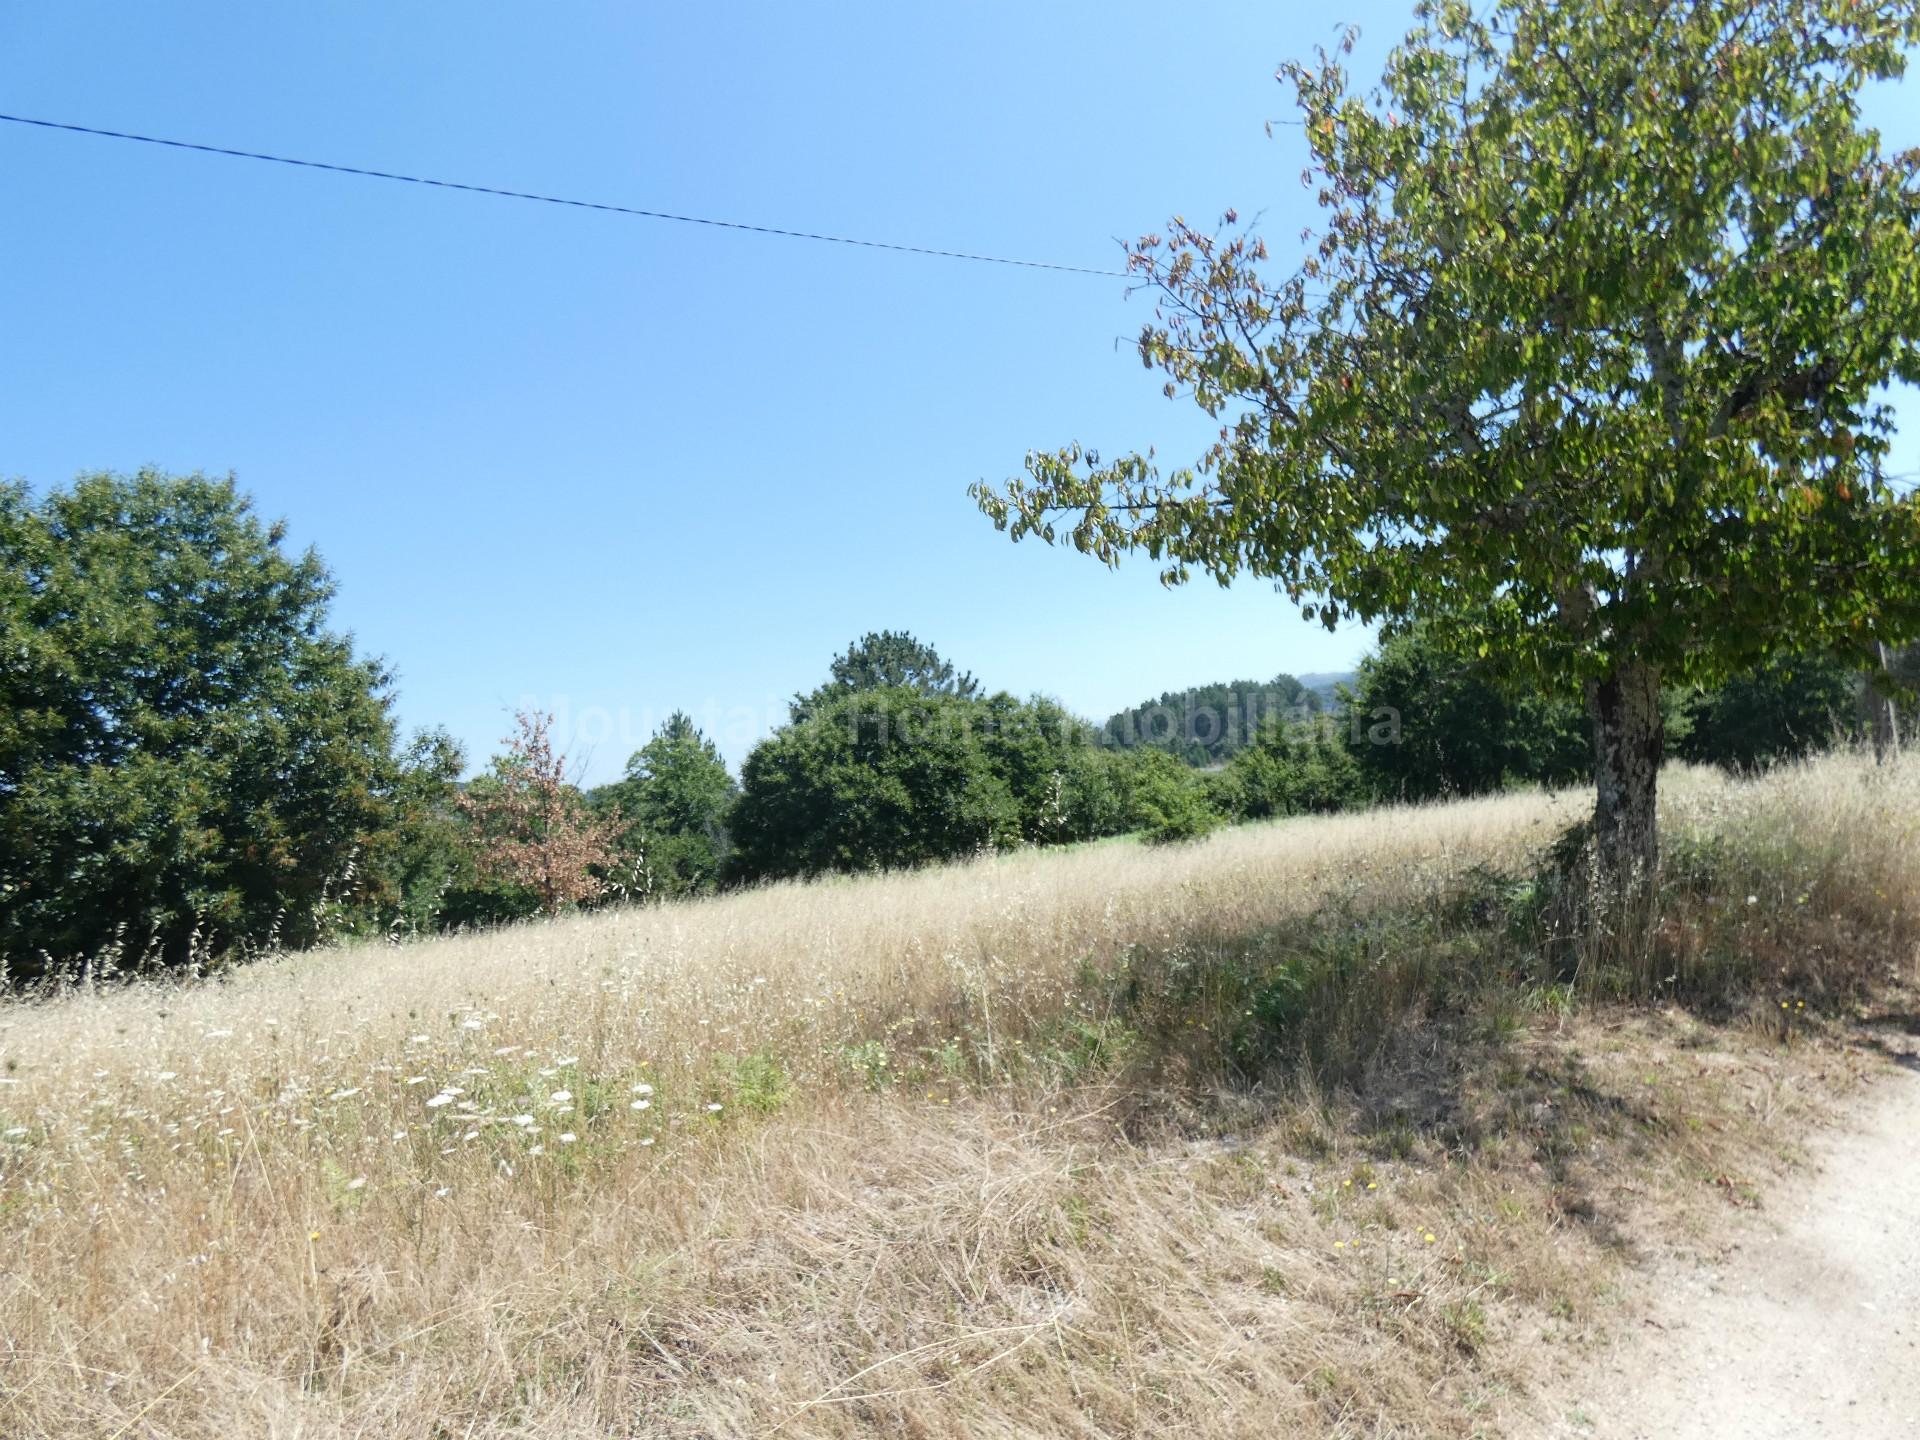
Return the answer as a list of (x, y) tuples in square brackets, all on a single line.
[(1325, 683), (1209, 724)]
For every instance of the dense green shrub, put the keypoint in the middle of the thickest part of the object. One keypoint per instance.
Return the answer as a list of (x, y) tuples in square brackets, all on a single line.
[(1092, 802), (1165, 800), (1293, 770), (898, 760), (1144, 791), (419, 857), (1031, 746)]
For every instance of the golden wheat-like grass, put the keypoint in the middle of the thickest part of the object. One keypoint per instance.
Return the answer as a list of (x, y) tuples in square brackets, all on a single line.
[(792, 1162)]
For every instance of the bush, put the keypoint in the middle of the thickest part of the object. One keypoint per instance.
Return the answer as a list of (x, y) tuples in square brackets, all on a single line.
[(1143, 791), (1032, 746), (1293, 770), (1090, 800), (420, 857), (1165, 800)]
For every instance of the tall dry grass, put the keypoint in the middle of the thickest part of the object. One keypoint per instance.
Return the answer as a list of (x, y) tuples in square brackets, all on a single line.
[(1009, 1148)]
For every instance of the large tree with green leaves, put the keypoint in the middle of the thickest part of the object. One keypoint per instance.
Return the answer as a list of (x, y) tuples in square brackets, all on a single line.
[(1425, 724), (877, 779), (1583, 367), (674, 800), (1786, 708), (191, 763), (884, 658)]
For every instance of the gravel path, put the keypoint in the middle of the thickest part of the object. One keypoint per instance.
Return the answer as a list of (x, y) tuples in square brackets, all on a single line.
[(1810, 1326)]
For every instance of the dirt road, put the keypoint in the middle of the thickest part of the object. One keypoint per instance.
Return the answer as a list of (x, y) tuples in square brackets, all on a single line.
[(1809, 1326)]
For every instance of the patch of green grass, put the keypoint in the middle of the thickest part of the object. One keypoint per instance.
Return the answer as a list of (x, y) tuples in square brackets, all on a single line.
[(758, 1082), (870, 1062), (1081, 1047), (1396, 1140), (1466, 1323)]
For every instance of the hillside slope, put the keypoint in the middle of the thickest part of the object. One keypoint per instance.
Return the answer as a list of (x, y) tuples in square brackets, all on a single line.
[(1293, 1132)]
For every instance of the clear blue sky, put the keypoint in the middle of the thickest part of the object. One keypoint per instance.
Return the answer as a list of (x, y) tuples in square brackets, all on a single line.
[(614, 466)]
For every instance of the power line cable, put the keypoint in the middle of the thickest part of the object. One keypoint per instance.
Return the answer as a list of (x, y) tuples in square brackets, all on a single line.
[(739, 225)]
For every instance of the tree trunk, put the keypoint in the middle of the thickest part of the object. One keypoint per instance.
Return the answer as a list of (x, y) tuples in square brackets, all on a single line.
[(1628, 741), (1886, 718)]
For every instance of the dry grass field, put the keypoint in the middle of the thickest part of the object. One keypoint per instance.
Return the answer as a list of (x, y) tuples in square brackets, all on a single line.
[(1314, 1128)]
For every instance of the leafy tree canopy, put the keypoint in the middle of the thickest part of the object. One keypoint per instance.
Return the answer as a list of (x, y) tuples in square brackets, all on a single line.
[(190, 762), (884, 658), (1429, 724), (872, 779), (1209, 724), (418, 857), (675, 798), (1786, 708)]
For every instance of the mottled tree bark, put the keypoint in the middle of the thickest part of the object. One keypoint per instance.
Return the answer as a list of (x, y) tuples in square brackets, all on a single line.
[(1628, 742)]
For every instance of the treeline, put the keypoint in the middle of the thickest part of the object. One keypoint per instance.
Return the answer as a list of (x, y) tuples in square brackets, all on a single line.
[(194, 768), (1210, 724)]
